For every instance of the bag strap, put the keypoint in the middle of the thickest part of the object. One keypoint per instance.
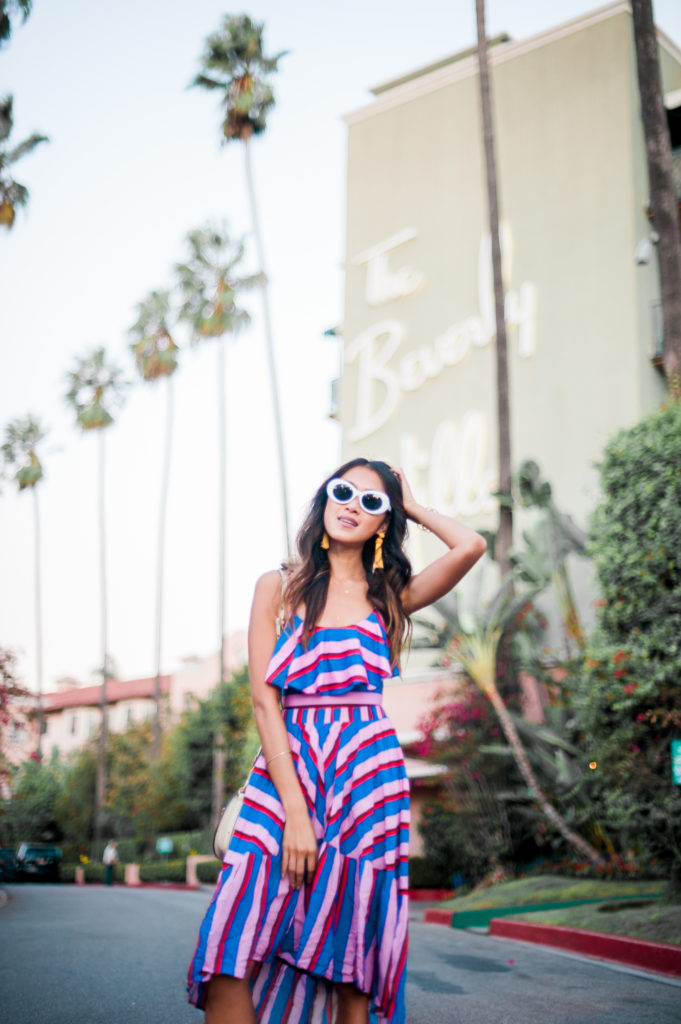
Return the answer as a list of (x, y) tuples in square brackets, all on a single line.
[(281, 617)]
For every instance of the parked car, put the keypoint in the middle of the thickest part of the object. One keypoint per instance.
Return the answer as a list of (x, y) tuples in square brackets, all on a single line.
[(37, 860), (7, 865)]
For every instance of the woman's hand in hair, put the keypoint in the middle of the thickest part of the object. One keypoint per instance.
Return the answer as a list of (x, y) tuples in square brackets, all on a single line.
[(466, 547), (411, 506)]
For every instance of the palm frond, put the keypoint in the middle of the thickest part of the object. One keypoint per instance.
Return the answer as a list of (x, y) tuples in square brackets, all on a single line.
[(23, 148)]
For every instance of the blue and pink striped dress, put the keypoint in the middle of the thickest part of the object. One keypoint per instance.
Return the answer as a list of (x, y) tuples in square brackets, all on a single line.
[(350, 923)]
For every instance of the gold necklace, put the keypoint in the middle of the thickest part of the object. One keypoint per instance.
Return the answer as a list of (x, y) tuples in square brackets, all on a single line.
[(345, 584)]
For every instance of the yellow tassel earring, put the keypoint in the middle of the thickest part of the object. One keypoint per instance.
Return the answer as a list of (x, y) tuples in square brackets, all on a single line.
[(324, 542), (378, 552)]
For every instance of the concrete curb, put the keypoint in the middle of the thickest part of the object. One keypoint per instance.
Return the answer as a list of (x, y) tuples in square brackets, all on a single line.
[(648, 956), (438, 915)]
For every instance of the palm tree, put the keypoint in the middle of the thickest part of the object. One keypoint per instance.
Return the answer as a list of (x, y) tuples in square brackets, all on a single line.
[(208, 286), (12, 194), (504, 537), (663, 201), (233, 62), (22, 438), (95, 387), (156, 357), (8, 9)]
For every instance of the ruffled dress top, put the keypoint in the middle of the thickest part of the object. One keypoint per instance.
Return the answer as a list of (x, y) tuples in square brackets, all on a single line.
[(350, 923)]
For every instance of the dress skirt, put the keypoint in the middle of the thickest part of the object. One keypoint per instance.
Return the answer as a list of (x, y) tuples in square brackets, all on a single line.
[(350, 923)]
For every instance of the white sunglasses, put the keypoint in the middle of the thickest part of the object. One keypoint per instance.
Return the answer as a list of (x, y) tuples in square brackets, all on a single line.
[(342, 492)]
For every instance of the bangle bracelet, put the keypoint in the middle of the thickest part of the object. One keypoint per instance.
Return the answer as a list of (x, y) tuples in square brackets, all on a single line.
[(421, 526), (275, 756)]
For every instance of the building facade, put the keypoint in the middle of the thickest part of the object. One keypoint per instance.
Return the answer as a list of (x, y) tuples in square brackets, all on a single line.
[(418, 383)]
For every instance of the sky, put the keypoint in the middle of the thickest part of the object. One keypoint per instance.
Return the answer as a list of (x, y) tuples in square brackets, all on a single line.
[(134, 162)]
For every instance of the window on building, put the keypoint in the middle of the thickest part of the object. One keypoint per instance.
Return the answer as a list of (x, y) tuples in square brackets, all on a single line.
[(73, 725), (129, 717)]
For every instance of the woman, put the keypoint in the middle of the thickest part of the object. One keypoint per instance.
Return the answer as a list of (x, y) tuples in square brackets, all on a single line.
[(308, 923)]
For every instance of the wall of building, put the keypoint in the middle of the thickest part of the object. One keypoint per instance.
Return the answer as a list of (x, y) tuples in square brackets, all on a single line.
[(418, 380)]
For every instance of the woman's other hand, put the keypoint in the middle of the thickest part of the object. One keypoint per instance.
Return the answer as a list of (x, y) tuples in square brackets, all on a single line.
[(298, 848)]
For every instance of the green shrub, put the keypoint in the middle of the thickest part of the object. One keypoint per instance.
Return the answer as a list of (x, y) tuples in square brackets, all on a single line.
[(94, 872), (207, 871), (627, 692), (67, 872), (166, 871), (424, 874)]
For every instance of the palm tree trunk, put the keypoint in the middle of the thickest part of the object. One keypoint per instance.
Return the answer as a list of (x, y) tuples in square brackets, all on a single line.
[(100, 790), (547, 809), (505, 532), (663, 200), (160, 562), (222, 503), (38, 623), (269, 342)]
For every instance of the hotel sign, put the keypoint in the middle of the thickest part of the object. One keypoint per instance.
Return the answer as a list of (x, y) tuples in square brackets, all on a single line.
[(459, 477)]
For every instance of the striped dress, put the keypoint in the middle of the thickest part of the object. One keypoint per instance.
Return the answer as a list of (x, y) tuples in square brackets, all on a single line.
[(350, 923)]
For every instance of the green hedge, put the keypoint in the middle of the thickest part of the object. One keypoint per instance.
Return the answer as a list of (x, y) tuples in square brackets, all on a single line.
[(168, 871), (207, 871), (93, 872)]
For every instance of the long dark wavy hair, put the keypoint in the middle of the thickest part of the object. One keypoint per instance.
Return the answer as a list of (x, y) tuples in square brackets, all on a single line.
[(308, 580)]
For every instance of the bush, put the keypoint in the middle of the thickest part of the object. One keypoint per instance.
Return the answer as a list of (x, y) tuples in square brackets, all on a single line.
[(424, 874), (207, 871), (167, 871), (626, 693), (67, 873)]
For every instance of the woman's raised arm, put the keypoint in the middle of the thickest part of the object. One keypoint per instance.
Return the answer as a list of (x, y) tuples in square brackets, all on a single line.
[(465, 545)]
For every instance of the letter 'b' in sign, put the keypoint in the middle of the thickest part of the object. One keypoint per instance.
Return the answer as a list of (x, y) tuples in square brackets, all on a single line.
[(676, 762)]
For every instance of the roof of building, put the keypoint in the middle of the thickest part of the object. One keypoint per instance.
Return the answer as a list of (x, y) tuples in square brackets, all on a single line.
[(469, 51), (116, 690)]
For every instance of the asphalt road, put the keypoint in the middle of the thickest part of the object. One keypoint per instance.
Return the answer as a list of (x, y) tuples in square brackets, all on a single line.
[(71, 955)]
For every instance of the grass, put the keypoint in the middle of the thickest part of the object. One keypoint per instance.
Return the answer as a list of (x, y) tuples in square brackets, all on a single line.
[(655, 921), (550, 889)]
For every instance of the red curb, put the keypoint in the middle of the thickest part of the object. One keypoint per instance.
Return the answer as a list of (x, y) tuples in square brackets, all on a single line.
[(649, 956), (438, 915), (430, 894)]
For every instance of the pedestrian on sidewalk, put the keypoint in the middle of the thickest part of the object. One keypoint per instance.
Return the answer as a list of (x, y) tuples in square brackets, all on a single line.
[(110, 859), (308, 923)]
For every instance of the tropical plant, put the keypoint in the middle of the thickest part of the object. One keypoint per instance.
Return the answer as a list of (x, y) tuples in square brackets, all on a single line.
[(542, 560), (8, 10), (22, 438), (209, 286), (155, 352), (627, 694), (12, 193), (664, 203), (477, 654), (96, 386), (504, 537), (233, 63)]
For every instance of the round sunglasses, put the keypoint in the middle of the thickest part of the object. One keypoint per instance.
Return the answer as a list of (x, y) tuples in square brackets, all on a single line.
[(342, 492)]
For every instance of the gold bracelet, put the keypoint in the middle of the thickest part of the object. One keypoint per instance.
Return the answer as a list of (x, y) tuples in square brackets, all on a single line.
[(275, 756), (421, 525)]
